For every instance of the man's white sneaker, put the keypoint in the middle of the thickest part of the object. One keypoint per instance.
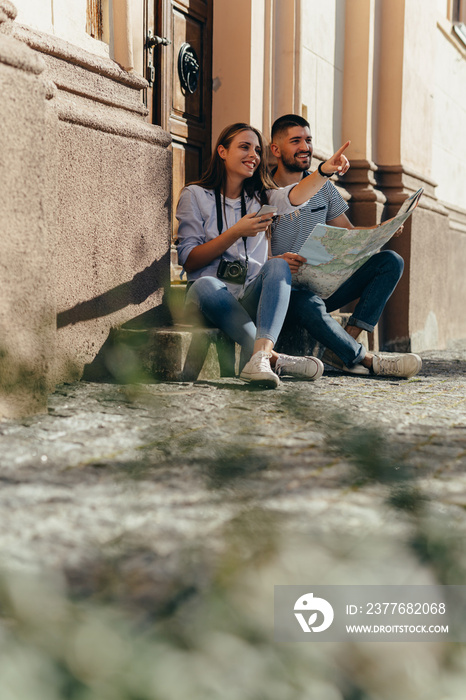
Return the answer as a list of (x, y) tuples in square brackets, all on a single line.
[(397, 365), (333, 360), (301, 367), (259, 371)]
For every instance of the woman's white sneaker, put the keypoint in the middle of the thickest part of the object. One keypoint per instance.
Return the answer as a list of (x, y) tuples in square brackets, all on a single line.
[(259, 371), (306, 367), (397, 365)]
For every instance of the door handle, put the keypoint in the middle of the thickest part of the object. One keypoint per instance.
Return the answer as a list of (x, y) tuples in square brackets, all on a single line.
[(153, 40)]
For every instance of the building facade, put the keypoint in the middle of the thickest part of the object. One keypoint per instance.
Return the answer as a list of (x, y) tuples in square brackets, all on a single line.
[(391, 76), (109, 106)]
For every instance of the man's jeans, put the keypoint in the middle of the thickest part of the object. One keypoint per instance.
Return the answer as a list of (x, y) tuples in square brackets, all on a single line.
[(264, 304), (372, 284)]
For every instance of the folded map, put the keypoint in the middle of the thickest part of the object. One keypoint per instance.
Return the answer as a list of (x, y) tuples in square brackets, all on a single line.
[(333, 254)]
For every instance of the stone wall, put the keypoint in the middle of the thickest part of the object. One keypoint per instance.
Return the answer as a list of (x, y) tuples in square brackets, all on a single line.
[(26, 308), (85, 211)]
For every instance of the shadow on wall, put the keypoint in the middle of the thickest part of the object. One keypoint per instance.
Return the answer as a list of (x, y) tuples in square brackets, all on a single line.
[(133, 292), (115, 361)]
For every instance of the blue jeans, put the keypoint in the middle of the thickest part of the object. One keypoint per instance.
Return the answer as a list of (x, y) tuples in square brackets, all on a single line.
[(260, 313), (372, 284)]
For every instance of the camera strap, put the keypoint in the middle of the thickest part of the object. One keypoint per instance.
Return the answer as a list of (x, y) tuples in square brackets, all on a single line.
[(218, 204)]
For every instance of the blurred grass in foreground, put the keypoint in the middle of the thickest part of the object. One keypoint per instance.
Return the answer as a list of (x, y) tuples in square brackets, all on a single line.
[(209, 633)]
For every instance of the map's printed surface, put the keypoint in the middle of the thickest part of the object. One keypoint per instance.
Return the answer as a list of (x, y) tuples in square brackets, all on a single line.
[(333, 254)]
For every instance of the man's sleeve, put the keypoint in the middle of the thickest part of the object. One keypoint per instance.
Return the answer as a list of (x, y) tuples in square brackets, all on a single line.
[(337, 204), (191, 231)]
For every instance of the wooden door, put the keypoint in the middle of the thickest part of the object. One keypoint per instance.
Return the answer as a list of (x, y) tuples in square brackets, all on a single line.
[(181, 97)]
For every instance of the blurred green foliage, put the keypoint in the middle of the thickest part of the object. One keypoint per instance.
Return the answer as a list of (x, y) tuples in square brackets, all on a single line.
[(133, 626)]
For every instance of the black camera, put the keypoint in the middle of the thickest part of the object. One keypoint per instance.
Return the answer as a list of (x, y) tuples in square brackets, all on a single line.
[(232, 271)]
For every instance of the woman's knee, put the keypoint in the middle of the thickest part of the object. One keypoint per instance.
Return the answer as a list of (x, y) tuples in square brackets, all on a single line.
[(204, 287), (279, 267)]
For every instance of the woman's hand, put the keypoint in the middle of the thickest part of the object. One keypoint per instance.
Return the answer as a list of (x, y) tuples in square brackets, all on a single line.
[(338, 163), (248, 226), (293, 259), (251, 225)]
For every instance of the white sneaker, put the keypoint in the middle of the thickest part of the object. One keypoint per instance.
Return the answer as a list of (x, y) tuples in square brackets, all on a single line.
[(302, 367), (394, 365), (259, 371)]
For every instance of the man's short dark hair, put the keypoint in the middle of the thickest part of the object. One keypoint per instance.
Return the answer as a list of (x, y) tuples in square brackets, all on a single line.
[(286, 122)]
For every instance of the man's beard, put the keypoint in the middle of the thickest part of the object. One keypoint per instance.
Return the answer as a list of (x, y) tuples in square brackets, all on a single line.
[(294, 166)]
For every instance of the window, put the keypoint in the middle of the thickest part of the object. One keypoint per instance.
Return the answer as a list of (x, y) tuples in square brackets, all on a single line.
[(458, 11), (97, 19), (457, 16), (94, 18)]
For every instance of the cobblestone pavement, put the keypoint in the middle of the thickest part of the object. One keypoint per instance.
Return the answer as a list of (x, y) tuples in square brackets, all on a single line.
[(165, 466), (184, 504)]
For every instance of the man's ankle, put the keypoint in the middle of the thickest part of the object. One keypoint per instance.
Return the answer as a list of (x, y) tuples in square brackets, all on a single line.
[(353, 331), (367, 361)]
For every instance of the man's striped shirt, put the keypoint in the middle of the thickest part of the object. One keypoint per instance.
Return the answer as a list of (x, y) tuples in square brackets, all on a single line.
[(292, 230)]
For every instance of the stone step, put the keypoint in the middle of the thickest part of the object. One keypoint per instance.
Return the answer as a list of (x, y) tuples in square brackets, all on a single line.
[(183, 352), (179, 352)]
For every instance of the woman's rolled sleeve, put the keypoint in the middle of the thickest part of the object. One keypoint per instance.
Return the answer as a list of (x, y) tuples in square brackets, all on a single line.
[(191, 231)]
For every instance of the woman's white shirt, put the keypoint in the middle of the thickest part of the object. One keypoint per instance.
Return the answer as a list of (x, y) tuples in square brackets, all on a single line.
[(197, 216)]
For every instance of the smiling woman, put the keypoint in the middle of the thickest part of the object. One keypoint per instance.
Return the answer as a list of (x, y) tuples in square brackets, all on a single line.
[(241, 160), (224, 249)]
